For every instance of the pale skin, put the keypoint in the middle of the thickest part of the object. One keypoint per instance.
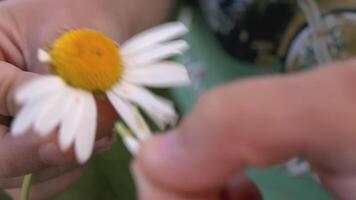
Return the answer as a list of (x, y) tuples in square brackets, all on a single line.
[(256, 122)]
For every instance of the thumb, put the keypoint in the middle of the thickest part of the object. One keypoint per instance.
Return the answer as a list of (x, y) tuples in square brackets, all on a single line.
[(231, 127), (11, 78), (257, 123)]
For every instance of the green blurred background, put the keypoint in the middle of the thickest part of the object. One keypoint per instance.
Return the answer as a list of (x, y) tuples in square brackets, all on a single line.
[(108, 177)]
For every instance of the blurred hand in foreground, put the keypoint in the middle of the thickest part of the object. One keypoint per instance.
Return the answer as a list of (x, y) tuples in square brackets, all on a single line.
[(257, 123)]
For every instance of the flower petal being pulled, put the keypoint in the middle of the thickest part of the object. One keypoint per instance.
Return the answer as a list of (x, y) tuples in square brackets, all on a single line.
[(159, 109), (131, 116), (131, 143)]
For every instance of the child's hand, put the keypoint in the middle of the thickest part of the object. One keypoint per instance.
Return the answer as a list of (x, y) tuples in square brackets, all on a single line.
[(257, 123), (26, 26)]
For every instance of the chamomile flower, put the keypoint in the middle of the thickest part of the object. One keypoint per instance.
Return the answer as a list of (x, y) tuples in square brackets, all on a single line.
[(86, 62)]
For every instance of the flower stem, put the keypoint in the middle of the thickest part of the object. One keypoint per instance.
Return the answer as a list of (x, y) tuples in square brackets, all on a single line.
[(26, 186)]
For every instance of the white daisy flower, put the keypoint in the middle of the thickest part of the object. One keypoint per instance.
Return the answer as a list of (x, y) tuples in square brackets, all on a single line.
[(86, 62)]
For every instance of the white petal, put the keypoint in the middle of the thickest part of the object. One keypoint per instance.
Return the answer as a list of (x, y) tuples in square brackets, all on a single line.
[(38, 87), (160, 110), (154, 36), (160, 75), (131, 116), (155, 54), (51, 112), (131, 143), (84, 141), (43, 56), (71, 118), (25, 118)]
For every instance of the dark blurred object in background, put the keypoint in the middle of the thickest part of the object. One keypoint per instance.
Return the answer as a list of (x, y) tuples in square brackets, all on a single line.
[(250, 29), (295, 33)]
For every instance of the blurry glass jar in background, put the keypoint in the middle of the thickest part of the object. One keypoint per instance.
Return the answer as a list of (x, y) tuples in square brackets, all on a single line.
[(295, 33), (328, 34)]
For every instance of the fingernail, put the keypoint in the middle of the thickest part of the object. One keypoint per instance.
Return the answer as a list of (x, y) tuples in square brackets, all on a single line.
[(159, 150), (168, 143), (50, 154)]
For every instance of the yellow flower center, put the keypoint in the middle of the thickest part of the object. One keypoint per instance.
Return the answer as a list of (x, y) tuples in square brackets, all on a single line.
[(87, 59)]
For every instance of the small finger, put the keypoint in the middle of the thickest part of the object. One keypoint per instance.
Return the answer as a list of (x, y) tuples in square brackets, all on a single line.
[(11, 78), (27, 154), (38, 177), (50, 188), (31, 153)]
